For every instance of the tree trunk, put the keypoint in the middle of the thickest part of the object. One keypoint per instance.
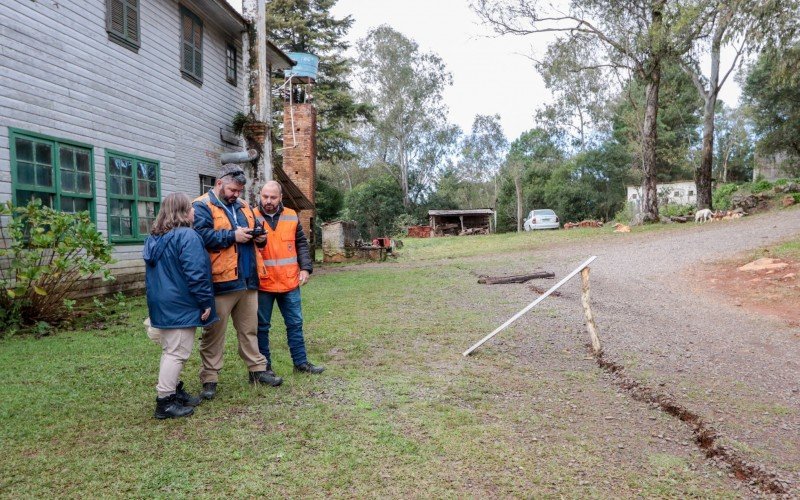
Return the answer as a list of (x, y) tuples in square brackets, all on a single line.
[(349, 179), (518, 189), (649, 135), (725, 166), (404, 174), (651, 73), (702, 175), (496, 191)]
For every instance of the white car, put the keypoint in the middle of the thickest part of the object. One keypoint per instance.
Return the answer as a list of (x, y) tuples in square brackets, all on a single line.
[(541, 219)]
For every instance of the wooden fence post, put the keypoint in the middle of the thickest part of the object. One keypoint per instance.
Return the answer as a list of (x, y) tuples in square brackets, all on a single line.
[(587, 311)]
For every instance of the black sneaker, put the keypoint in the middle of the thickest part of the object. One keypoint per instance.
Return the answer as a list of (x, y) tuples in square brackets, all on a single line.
[(269, 370), (209, 390), (265, 378), (170, 407), (309, 368), (185, 398)]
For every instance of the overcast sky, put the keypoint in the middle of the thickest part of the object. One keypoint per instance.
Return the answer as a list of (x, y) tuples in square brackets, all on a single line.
[(491, 75)]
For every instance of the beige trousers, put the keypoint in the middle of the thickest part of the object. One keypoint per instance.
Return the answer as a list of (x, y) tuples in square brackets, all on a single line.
[(242, 307), (176, 346)]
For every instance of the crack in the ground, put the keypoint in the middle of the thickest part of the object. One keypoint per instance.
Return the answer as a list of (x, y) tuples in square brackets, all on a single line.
[(705, 435)]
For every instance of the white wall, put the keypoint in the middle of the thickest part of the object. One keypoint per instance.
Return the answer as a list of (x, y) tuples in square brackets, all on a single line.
[(684, 193)]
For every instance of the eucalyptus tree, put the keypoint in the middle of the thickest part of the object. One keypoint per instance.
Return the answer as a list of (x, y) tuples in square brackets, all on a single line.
[(482, 153), (634, 37), (404, 87), (772, 96), (434, 153), (679, 120), (745, 26), (531, 159), (581, 93), (733, 145)]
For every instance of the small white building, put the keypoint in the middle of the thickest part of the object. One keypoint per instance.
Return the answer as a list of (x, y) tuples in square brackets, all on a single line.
[(675, 193)]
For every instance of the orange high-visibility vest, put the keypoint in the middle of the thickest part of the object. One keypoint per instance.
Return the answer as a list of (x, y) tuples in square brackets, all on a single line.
[(225, 262), (280, 254)]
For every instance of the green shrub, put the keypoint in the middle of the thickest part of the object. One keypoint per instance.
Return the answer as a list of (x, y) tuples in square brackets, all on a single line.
[(240, 121), (43, 254), (721, 197), (676, 210), (625, 216), (401, 223), (761, 186), (781, 182), (374, 205)]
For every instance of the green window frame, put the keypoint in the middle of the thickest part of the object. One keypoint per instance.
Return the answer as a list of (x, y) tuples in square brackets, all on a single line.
[(206, 183), (123, 23), (56, 171), (191, 46), (133, 185), (230, 64)]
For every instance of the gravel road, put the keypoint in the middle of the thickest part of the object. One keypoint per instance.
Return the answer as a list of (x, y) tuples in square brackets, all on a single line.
[(739, 371)]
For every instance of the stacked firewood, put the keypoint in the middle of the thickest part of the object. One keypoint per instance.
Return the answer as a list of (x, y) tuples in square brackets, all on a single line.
[(584, 223)]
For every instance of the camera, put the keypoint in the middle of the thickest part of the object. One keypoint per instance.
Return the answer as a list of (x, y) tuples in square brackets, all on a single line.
[(257, 231)]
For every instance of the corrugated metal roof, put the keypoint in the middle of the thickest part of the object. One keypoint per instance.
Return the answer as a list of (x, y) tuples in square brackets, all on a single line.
[(474, 211), (292, 196), (278, 58)]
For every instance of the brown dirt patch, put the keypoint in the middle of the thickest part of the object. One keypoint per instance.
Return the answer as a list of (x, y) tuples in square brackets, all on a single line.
[(769, 292)]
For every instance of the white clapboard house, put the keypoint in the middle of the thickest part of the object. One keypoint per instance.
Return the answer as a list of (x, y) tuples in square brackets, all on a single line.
[(680, 193), (110, 105)]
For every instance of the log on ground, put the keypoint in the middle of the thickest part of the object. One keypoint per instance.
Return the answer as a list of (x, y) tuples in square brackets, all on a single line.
[(521, 278)]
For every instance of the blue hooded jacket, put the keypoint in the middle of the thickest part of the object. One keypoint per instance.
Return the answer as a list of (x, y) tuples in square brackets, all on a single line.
[(178, 279)]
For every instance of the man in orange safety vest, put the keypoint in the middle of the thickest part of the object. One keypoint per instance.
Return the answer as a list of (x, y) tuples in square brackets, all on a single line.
[(288, 263), (227, 224)]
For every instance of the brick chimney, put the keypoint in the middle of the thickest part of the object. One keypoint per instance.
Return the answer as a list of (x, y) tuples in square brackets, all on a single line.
[(300, 156)]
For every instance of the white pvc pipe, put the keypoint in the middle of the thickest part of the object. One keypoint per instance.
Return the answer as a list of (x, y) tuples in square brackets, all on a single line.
[(530, 306), (291, 112)]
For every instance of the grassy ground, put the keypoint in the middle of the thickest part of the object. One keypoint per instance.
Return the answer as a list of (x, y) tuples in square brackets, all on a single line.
[(458, 247), (398, 412), (789, 249)]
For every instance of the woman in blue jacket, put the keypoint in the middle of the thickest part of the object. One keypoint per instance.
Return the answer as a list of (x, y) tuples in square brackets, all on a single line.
[(180, 297)]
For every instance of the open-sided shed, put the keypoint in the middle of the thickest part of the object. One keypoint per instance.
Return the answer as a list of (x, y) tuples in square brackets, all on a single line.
[(461, 222)]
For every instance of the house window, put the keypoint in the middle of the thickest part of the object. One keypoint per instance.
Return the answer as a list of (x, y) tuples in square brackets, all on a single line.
[(633, 196), (676, 194), (206, 183), (122, 23), (691, 193), (133, 196), (191, 46), (58, 173), (230, 64)]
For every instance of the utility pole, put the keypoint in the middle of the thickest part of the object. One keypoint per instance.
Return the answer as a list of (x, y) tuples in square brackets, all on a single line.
[(257, 131)]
